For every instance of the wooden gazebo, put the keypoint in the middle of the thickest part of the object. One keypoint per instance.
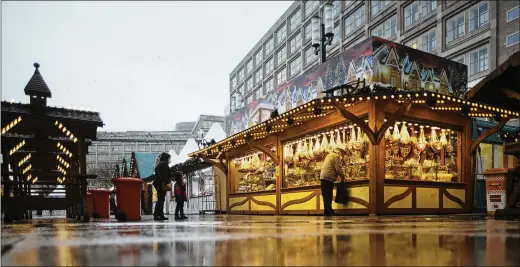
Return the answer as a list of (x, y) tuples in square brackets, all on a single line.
[(43, 147)]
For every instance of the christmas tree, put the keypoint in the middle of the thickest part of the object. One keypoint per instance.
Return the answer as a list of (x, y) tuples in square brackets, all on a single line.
[(117, 172), (125, 169)]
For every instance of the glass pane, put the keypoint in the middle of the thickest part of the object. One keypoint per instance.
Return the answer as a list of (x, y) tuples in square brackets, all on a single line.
[(421, 152), (498, 156)]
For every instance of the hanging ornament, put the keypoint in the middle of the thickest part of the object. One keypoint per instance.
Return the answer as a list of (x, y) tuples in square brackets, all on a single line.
[(332, 142), (413, 138), (358, 143), (324, 144), (317, 146), (338, 141), (434, 140), (396, 136), (405, 136), (443, 139), (310, 149), (421, 142), (344, 136), (304, 154), (449, 146), (388, 135)]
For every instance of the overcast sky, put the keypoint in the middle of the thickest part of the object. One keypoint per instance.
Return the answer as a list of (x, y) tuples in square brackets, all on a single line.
[(142, 65)]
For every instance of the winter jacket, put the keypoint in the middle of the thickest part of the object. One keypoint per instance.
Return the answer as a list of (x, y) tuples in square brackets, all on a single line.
[(179, 191)]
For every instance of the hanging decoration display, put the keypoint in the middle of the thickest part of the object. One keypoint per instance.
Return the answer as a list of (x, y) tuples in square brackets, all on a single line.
[(257, 172), (420, 158)]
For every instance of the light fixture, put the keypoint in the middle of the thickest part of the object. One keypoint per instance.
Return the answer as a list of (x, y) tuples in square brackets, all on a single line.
[(322, 33)]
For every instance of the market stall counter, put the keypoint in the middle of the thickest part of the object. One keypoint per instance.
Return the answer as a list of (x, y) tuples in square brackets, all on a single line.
[(396, 113)]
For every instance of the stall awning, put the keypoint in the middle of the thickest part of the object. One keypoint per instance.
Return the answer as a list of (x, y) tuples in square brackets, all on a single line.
[(501, 87)]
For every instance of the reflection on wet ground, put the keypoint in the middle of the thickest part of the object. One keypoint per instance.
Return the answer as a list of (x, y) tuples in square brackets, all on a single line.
[(265, 240)]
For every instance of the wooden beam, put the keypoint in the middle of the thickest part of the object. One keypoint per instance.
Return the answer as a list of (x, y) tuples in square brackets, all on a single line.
[(355, 119), (486, 134), (219, 164), (267, 151), (380, 133)]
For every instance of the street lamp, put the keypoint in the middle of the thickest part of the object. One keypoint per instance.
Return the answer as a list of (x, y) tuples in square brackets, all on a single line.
[(322, 32)]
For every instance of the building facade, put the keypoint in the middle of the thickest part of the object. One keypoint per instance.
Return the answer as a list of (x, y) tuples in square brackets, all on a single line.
[(110, 147), (480, 34)]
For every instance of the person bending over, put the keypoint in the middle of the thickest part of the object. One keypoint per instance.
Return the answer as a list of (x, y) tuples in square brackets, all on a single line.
[(330, 171)]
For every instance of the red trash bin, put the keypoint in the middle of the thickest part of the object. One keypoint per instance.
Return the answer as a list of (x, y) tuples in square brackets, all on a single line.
[(101, 203), (90, 204), (128, 193)]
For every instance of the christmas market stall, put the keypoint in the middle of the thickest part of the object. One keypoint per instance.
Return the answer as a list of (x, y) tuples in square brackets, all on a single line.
[(142, 165), (43, 147), (397, 112)]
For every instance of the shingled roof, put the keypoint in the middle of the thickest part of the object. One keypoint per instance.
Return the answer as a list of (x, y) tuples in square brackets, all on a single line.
[(37, 85), (54, 112)]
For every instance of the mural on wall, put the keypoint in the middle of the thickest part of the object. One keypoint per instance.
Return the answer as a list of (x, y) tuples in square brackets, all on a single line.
[(373, 59)]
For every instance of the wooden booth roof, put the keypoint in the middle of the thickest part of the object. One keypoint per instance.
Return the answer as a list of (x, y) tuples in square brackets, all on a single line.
[(43, 141), (501, 87), (327, 106)]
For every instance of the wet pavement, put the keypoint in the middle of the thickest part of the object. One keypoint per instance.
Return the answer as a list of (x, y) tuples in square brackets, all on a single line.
[(265, 240)]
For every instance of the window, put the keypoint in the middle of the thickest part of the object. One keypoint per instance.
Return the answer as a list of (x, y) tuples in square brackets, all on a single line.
[(355, 20), (379, 5), (479, 60), (281, 34), (143, 147), (281, 56), (258, 76), (269, 85), (249, 67), (281, 77), (337, 7), (429, 42), (295, 66), (102, 148), (455, 27), (309, 55), (258, 93), (478, 16), (234, 81), (269, 46), (233, 103), (249, 99), (241, 75), (412, 44), (387, 29), (428, 6), (337, 34), (241, 89), (513, 14), (411, 13), (295, 43), (513, 39), (115, 148), (310, 5), (308, 32), (268, 66), (295, 20), (249, 84), (258, 57), (460, 59)]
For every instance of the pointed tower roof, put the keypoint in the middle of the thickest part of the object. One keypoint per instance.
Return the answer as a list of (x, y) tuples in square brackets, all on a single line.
[(36, 85)]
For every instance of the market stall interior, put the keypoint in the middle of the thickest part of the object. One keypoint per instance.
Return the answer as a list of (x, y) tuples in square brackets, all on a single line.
[(409, 150)]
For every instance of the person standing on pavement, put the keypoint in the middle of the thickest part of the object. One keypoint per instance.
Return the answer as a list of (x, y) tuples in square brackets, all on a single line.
[(162, 184), (180, 196), (330, 171)]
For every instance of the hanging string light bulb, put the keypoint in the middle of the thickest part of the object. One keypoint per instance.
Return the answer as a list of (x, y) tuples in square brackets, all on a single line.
[(443, 139)]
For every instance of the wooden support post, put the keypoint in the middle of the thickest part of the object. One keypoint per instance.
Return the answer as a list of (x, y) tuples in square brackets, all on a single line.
[(217, 163), (83, 170), (473, 146), (380, 132), (376, 116), (280, 177), (267, 151), (358, 121)]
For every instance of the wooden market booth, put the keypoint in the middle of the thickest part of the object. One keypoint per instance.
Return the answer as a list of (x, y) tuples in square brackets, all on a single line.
[(407, 136), (43, 147)]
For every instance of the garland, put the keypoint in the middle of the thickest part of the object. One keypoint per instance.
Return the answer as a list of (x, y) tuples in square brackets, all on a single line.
[(188, 164)]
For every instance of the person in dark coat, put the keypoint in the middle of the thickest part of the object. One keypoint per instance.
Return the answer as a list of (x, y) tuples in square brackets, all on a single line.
[(180, 196), (162, 182)]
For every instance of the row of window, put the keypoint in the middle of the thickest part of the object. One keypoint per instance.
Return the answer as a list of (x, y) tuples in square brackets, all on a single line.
[(476, 17), (130, 147)]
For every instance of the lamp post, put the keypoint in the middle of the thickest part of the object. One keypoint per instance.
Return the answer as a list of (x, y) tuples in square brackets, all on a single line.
[(322, 32)]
